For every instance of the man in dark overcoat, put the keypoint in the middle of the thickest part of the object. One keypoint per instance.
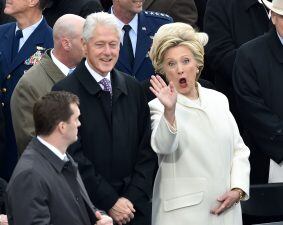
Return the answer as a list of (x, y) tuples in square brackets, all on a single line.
[(229, 24), (114, 155), (258, 83)]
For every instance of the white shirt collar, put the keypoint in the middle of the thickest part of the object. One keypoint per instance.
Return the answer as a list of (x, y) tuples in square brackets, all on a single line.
[(52, 149), (27, 32), (96, 75), (64, 69)]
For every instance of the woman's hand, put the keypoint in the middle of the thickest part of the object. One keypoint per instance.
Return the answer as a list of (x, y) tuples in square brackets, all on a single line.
[(226, 201), (167, 95)]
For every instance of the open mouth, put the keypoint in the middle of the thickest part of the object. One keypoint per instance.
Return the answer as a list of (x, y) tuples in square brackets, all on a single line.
[(183, 82)]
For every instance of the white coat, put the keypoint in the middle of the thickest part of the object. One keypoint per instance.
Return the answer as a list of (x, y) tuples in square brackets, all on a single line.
[(199, 161)]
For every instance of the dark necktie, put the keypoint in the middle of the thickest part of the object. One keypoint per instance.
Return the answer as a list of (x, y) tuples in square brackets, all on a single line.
[(18, 36), (127, 44)]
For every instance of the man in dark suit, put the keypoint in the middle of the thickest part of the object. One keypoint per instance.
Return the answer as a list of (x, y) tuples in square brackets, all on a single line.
[(22, 44), (258, 86), (81, 8), (114, 154), (180, 10), (133, 58), (229, 24), (45, 187)]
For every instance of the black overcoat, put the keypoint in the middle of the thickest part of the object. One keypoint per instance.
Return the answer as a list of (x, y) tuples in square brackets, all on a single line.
[(258, 79), (114, 154)]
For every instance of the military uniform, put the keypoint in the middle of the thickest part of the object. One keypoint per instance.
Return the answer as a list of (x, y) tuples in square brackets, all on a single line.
[(148, 24), (11, 71)]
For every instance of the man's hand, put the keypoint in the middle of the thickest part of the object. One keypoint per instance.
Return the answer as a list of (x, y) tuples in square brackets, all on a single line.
[(103, 219), (122, 212), (226, 201)]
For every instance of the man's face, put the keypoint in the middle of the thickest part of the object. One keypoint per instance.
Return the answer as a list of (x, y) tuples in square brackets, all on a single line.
[(277, 20), (14, 7), (71, 131), (102, 50), (130, 6)]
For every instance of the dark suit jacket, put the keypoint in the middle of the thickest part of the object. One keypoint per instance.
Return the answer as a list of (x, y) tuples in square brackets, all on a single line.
[(258, 83), (2, 139), (229, 24), (12, 70), (39, 193), (78, 7), (114, 154), (201, 6), (180, 10), (148, 24)]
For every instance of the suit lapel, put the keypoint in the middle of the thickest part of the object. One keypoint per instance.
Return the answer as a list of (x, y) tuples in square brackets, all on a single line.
[(275, 45), (6, 45), (37, 38), (144, 41), (93, 88), (50, 68)]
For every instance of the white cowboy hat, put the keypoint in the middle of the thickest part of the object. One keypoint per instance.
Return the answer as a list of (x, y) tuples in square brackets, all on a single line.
[(276, 6)]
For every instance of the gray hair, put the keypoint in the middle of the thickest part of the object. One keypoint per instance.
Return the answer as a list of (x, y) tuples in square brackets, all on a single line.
[(99, 18)]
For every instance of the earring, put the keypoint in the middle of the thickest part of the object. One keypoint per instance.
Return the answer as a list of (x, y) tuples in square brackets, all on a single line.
[(197, 70)]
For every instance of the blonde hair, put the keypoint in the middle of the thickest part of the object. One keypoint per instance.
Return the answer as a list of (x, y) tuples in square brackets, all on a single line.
[(176, 34)]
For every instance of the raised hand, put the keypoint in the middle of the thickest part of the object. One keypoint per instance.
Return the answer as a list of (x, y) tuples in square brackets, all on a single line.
[(167, 95)]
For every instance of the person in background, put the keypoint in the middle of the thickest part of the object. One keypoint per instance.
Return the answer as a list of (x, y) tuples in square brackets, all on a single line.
[(138, 28), (56, 64), (81, 8), (180, 10), (229, 24), (203, 162), (22, 44), (46, 178), (3, 183)]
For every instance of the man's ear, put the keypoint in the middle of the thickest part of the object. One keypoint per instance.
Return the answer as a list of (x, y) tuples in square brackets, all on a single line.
[(33, 3), (84, 46), (66, 44), (61, 127)]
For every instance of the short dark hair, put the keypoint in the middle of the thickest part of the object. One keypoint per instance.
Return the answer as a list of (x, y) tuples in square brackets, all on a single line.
[(51, 109)]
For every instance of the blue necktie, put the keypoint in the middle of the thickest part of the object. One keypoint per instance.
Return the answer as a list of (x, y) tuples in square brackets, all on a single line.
[(15, 49), (127, 44)]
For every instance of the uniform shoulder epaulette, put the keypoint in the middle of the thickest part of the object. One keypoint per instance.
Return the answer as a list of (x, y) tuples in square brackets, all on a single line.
[(157, 14)]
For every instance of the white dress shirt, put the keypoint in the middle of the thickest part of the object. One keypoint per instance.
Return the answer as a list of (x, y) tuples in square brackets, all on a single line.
[(133, 32), (27, 32), (53, 149), (96, 75), (64, 69)]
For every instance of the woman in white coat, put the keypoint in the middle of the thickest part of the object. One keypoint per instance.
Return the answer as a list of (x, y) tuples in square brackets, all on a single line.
[(203, 162)]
